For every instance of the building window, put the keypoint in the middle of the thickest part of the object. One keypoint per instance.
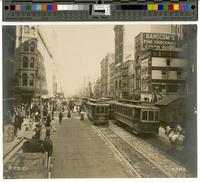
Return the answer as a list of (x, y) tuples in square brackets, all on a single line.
[(168, 62), (33, 30), (193, 68), (32, 46), (179, 75), (25, 62), (165, 74), (24, 79), (26, 29), (31, 80), (32, 62), (25, 46)]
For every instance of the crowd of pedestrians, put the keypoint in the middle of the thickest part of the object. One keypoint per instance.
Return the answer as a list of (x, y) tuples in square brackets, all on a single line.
[(37, 115)]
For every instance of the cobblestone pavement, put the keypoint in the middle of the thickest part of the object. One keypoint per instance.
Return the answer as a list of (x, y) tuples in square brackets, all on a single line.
[(79, 152), (154, 154)]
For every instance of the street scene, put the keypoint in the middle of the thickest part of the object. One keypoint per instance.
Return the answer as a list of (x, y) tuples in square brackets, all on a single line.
[(99, 101)]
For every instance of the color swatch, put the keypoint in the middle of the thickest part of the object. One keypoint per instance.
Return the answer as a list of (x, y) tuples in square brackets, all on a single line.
[(64, 7)]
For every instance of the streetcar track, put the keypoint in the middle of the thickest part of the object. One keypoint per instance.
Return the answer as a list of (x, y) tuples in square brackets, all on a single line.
[(172, 158), (151, 141), (118, 152), (172, 166), (144, 166)]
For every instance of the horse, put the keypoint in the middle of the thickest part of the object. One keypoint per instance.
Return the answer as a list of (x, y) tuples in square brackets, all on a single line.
[(47, 144), (33, 145), (176, 137)]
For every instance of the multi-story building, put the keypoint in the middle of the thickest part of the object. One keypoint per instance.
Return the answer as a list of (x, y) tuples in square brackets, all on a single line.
[(9, 37), (112, 80), (29, 70), (105, 75), (97, 88), (124, 51), (125, 79), (160, 66)]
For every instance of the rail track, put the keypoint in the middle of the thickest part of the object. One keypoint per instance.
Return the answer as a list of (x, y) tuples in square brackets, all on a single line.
[(143, 166), (154, 153)]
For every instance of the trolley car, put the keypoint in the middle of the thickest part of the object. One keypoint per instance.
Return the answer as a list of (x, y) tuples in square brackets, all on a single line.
[(98, 112), (140, 118)]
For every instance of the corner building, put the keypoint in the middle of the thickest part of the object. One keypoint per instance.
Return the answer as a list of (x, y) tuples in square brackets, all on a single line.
[(160, 66), (29, 70)]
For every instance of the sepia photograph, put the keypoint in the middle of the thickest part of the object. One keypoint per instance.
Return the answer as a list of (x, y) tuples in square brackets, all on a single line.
[(99, 101)]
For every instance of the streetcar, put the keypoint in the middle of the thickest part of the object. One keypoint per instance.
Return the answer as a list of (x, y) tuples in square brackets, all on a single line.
[(98, 111), (141, 118)]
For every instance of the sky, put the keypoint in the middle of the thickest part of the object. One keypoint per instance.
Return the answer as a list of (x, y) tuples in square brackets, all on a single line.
[(78, 50)]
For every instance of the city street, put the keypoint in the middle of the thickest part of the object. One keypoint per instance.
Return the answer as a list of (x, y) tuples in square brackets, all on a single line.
[(79, 152), (93, 101)]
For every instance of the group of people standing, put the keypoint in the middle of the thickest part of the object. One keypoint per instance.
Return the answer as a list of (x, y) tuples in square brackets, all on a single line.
[(13, 121)]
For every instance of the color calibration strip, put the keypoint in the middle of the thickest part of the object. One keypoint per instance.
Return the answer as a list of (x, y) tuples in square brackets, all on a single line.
[(59, 7), (48, 7)]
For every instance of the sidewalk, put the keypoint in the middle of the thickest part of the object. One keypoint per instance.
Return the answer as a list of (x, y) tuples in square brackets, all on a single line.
[(8, 146), (79, 152)]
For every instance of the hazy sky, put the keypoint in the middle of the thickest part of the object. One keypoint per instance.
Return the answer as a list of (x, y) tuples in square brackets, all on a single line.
[(79, 49)]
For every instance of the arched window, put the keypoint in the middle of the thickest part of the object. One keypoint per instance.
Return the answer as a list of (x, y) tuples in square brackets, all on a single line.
[(32, 62), (26, 29), (25, 46), (32, 46), (25, 62), (33, 30), (31, 79), (24, 79)]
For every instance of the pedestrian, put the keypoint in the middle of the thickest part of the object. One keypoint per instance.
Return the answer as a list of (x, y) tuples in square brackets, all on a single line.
[(82, 115), (60, 117), (16, 124), (21, 120), (10, 132), (69, 114), (48, 122), (52, 113)]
